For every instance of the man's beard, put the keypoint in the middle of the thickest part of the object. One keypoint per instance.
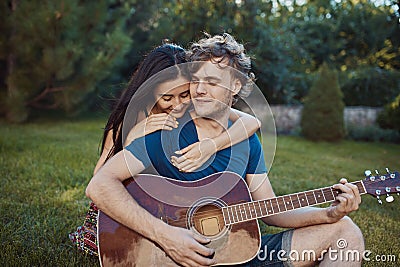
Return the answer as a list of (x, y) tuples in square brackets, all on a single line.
[(214, 109)]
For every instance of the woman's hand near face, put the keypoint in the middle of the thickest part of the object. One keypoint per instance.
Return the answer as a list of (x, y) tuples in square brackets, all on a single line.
[(154, 122), (195, 155)]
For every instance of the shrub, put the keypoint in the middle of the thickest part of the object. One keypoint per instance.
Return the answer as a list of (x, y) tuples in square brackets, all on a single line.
[(372, 133), (322, 116), (389, 118)]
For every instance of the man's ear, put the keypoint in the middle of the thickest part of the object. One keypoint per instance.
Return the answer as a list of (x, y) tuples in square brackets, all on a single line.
[(237, 85)]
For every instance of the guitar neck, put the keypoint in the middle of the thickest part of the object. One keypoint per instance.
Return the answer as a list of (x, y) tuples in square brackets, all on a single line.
[(262, 208)]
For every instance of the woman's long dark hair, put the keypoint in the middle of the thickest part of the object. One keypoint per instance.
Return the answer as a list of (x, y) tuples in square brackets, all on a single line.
[(160, 58)]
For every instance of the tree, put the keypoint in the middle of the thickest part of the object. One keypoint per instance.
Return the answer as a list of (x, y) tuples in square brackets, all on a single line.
[(369, 86), (57, 52), (359, 38), (322, 116), (389, 118)]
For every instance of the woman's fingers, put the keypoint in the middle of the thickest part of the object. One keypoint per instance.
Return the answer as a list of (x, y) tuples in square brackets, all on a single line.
[(194, 156), (178, 160), (168, 119), (160, 122), (186, 149)]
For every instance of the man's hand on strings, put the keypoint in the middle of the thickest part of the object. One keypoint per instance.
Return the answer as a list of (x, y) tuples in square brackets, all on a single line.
[(347, 201)]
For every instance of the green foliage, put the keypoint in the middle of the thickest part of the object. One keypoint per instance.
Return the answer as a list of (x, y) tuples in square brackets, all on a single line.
[(322, 115), (390, 117), (190, 18), (348, 34), (76, 54), (274, 61), (358, 38), (58, 52), (372, 133), (369, 86), (139, 26), (365, 29)]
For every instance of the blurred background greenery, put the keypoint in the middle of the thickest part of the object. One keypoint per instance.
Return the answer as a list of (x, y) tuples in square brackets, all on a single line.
[(68, 57)]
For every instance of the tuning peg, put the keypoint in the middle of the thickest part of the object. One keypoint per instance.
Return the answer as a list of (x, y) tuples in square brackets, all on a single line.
[(389, 199), (376, 171), (367, 172), (387, 170), (379, 200)]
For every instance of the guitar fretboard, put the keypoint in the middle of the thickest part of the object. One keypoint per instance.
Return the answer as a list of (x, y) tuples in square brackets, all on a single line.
[(262, 208)]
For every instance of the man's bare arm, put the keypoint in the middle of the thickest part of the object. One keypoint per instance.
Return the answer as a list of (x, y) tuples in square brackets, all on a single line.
[(108, 144), (108, 193)]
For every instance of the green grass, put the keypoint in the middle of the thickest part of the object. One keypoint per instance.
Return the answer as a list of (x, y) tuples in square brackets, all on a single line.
[(45, 166), (301, 165), (44, 170)]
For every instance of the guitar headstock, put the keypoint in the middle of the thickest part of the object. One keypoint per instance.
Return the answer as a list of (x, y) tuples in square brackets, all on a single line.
[(382, 184)]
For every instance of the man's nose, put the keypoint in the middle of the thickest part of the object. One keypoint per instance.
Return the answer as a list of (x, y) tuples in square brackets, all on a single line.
[(201, 89)]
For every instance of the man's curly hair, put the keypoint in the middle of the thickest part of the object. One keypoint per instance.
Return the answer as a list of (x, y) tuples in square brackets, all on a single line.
[(223, 47)]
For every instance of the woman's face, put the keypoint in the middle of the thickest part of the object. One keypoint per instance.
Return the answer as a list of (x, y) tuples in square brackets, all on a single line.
[(173, 97)]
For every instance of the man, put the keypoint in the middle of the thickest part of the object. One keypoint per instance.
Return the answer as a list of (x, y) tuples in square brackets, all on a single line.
[(213, 89)]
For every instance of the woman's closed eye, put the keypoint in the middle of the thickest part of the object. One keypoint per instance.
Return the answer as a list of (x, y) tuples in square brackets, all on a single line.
[(167, 98), (185, 94)]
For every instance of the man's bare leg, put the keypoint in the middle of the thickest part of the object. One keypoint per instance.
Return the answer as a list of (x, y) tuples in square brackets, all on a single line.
[(319, 239)]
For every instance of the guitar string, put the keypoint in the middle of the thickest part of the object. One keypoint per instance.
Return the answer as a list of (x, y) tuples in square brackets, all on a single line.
[(243, 210), (324, 190), (240, 205)]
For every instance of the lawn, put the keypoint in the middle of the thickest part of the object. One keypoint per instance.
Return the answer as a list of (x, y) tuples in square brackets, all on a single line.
[(46, 165)]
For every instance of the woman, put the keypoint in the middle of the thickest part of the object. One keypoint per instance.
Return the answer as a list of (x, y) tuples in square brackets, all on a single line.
[(170, 102)]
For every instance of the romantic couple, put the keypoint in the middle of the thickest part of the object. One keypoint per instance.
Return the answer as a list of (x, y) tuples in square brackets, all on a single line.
[(175, 119)]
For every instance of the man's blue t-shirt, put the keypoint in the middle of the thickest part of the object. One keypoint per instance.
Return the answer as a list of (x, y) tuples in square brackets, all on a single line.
[(156, 149)]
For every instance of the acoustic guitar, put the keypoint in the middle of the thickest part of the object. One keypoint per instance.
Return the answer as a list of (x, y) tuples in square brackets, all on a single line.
[(219, 207)]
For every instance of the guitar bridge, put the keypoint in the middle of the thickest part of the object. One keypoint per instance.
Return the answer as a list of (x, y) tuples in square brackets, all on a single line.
[(210, 226)]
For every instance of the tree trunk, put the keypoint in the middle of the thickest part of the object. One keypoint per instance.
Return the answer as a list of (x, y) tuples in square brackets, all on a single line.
[(16, 110), (11, 88)]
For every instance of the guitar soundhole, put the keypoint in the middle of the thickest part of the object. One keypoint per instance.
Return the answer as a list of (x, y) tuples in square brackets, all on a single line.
[(207, 219)]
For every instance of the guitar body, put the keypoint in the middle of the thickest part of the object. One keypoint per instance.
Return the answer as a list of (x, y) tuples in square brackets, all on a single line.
[(193, 205)]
